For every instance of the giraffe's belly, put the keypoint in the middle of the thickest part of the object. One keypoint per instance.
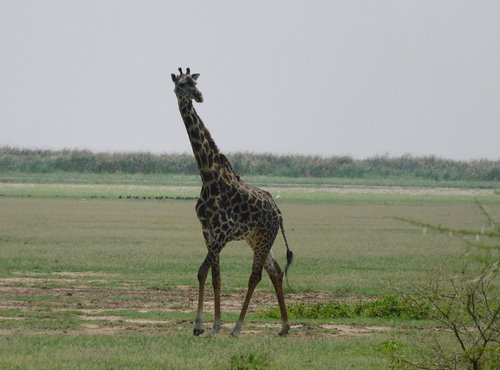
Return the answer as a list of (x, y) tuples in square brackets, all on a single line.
[(241, 232)]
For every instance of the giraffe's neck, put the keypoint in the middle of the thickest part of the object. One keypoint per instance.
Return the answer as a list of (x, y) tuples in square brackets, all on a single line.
[(204, 148)]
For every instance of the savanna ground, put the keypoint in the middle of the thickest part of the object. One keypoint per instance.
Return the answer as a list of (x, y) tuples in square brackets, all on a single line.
[(104, 276)]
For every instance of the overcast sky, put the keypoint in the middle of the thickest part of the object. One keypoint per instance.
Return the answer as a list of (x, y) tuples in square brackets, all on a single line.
[(358, 78)]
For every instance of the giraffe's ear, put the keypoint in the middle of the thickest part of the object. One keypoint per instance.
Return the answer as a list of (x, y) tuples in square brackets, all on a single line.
[(195, 76), (174, 78)]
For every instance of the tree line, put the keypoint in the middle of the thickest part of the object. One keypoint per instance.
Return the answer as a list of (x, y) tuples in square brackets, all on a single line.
[(86, 161)]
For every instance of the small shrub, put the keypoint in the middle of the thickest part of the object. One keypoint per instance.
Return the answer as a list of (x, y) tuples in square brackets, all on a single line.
[(384, 307), (321, 310), (249, 361), (395, 307)]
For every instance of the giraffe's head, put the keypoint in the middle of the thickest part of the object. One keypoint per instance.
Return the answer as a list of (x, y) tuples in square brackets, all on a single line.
[(185, 85)]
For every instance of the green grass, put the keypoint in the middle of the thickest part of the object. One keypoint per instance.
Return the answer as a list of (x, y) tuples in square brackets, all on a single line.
[(111, 283), (177, 180), (282, 192), (182, 351), (359, 248)]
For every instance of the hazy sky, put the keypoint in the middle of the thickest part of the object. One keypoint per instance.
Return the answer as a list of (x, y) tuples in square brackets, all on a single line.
[(360, 78)]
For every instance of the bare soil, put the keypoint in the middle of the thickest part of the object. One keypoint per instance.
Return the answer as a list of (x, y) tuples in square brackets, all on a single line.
[(97, 307)]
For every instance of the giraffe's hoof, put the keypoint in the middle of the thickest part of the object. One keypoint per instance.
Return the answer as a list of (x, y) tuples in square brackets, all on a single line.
[(197, 332), (284, 330), (236, 330), (214, 330)]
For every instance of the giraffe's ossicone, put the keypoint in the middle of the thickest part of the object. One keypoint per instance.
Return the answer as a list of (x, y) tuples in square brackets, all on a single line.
[(229, 209)]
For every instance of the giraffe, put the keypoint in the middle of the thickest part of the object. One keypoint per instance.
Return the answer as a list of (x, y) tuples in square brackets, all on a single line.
[(229, 209)]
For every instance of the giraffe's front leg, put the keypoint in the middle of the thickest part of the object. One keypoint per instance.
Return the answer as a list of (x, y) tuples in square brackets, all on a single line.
[(198, 325), (202, 277), (216, 282)]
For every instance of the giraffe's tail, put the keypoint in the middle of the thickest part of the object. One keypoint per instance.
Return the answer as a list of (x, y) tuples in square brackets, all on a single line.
[(289, 253)]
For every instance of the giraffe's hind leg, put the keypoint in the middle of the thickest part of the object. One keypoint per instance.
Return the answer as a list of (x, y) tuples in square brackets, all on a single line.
[(254, 280), (261, 244), (276, 275)]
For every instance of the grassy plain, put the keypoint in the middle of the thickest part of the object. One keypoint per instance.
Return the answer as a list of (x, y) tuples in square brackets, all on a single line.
[(89, 280)]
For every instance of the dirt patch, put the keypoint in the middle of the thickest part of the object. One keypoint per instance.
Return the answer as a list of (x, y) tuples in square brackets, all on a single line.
[(80, 274), (7, 282), (126, 320), (90, 329), (75, 274), (350, 330), (98, 309), (85, 297)]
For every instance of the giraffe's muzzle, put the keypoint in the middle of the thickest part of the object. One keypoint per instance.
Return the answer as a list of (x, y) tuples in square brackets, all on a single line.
[(199, 98)]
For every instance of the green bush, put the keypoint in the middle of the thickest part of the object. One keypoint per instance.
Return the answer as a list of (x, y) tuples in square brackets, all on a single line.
[(384, 307), (430, 167), (394, 306)]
